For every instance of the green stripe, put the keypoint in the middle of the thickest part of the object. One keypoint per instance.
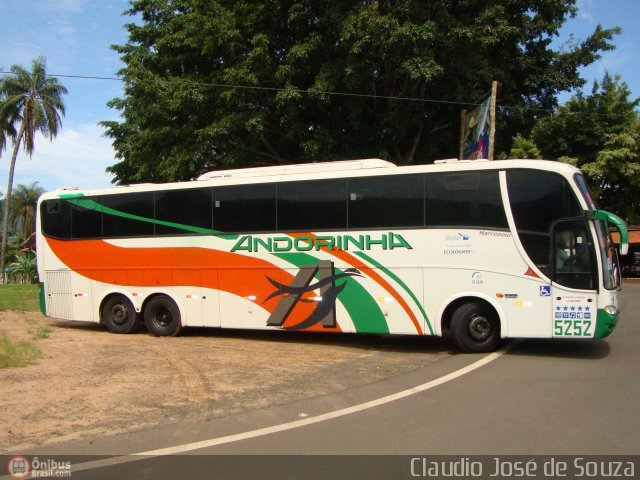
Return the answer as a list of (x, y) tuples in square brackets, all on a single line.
[(397, 279), (92, 205), (366, 315), (71, 195), (43, 303)]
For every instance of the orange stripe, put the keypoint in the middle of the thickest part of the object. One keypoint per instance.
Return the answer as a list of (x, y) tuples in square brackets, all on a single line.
[(180, 266)]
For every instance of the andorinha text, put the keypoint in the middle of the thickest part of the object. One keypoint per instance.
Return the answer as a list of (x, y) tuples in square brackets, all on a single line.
[(305, 243)]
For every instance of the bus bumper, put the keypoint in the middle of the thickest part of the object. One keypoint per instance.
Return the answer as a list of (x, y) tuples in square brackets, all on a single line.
[(606, 321)]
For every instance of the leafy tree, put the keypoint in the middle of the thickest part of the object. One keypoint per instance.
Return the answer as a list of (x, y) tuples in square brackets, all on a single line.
[(23, 207), (580, 127), (599, 133), (615, 174), (524, 148), (223, 83), (33, 101)]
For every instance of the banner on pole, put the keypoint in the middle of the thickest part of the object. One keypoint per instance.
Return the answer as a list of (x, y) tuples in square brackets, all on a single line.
[(476, 128)]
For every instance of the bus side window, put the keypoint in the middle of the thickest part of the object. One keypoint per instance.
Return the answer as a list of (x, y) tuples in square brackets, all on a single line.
[(183, 208), (86, 219), (312, 205), (53, 206), (244, 208), (56, 219), (464, 200), (128, 215), (382, 202)]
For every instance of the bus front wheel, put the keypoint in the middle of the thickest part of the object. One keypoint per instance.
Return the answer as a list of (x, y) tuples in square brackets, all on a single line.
[(119, 316), (475, 328), (162, 317)]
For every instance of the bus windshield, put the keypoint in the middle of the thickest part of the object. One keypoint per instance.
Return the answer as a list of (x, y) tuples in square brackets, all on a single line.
[(609, 254), (584, 190)]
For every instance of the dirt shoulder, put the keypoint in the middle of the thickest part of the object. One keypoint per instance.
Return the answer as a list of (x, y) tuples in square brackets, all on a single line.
[(89, 383)]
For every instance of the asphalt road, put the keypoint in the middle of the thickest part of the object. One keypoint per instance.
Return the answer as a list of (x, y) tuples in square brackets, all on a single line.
[(542, 397)]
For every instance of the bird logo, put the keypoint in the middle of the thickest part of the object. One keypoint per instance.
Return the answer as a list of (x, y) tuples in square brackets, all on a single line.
[(324, 311)]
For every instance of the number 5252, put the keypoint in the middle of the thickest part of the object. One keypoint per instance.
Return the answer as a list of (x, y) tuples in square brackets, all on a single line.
[(572, 328)]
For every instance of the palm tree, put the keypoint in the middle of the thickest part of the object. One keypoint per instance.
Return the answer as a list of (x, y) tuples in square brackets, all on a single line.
[(34, 102), (23, 207), (7, 131)]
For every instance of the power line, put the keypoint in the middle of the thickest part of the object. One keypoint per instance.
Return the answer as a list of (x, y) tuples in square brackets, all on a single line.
[(282, 89), (326, 92), (273, 89), (87, 77)]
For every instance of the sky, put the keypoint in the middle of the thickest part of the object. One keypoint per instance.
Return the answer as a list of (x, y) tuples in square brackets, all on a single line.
[(75, 38)]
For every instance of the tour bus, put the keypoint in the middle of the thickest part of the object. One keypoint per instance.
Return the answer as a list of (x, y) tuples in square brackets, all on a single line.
[(476, 250)]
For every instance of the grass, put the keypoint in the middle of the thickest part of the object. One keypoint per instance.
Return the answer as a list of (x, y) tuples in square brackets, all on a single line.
[(21, 298), (17, 354), (42, 332)]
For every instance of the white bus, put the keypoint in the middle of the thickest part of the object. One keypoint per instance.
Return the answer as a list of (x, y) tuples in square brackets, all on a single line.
[(476, 250)]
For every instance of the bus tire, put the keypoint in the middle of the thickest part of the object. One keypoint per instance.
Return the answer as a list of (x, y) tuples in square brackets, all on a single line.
[(119, 315), (162, 317), (475, 328)]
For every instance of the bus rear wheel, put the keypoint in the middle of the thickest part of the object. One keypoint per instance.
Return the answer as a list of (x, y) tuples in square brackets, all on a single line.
[(119, 316), (475, 328), (162, 317)]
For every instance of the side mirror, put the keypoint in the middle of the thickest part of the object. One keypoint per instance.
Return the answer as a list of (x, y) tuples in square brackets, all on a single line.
[(616, 221)]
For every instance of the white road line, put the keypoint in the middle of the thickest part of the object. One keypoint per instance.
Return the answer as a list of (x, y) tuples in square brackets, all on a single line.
[(188, 447)]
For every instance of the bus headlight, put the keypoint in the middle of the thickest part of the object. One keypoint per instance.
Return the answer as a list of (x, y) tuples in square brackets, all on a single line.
[(611, 309)]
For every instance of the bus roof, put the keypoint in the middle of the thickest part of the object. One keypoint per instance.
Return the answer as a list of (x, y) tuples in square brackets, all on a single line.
[(320, 170), (316, 167)]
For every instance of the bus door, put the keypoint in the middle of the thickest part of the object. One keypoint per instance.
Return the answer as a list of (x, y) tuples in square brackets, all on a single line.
[(574, 279)]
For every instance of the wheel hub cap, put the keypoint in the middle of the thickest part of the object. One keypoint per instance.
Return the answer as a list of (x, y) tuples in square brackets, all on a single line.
[(479, 328)]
